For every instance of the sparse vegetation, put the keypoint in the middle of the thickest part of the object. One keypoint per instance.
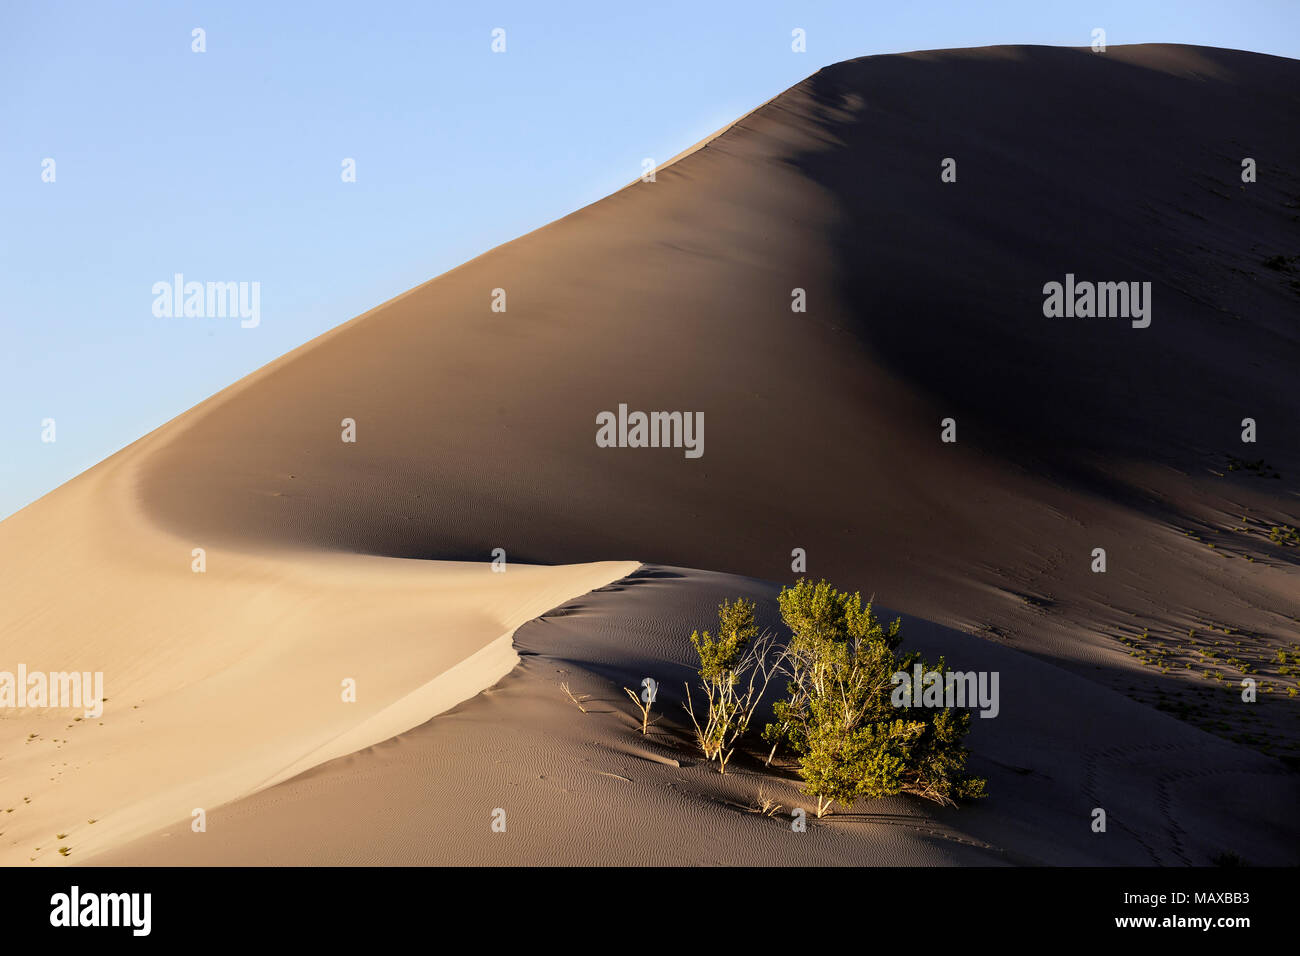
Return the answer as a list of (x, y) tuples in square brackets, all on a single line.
[(766, 806), (1259, 468), (644, 701), (1284, 535), (839, 718), (578, 699)]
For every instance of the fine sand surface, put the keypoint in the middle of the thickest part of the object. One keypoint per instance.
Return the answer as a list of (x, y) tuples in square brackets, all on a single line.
[(476, 430), (223, 682), (589, 789)]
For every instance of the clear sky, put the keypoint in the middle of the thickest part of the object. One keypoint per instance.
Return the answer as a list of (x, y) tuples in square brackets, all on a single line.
[(226, 165)]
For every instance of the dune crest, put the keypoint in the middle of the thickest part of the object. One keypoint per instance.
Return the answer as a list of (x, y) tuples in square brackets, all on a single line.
[(223, 682)]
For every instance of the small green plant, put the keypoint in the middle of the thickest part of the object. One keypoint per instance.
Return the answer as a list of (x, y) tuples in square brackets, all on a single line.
[(736, 666), (1284, 535)]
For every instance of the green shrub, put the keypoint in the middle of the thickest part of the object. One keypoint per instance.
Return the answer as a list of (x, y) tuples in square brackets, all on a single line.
[(736, 667), (838, 717)]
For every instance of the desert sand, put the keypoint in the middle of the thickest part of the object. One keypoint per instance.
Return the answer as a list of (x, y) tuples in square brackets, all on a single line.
[(475, 431), (223, 682), (588, 789)]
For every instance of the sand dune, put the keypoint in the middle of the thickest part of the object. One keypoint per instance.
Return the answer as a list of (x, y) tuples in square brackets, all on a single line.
[(924, 302), (476, 430), (222, 682), (588, 789)]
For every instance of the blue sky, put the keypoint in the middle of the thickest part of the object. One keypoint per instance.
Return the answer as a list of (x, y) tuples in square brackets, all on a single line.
[(225, 165)]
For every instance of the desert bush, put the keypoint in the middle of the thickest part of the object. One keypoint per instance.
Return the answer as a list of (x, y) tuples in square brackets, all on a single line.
[(838, 717), (736, 666)]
